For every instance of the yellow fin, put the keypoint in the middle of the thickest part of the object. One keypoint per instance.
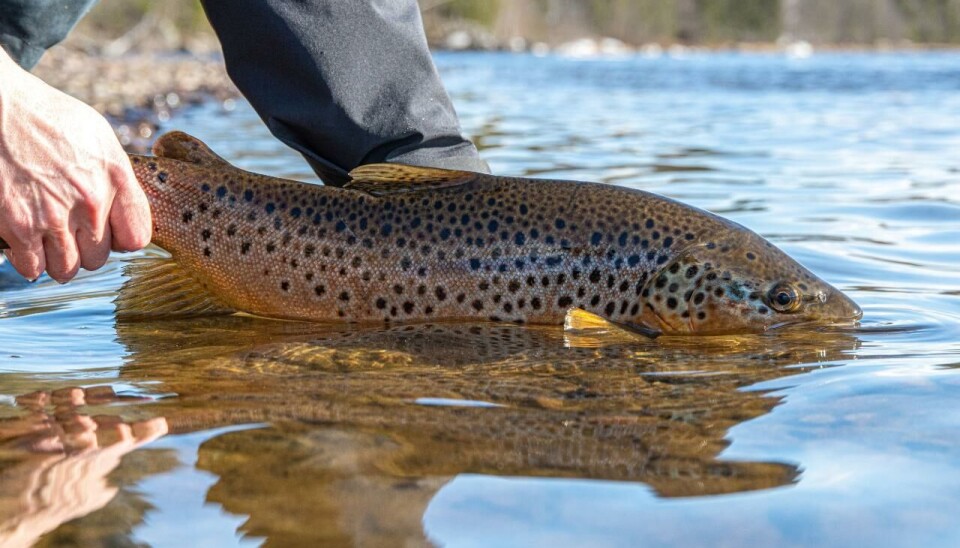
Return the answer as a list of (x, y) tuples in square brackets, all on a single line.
[(177, 145), (385, 179), (578, 319), (159, 288)]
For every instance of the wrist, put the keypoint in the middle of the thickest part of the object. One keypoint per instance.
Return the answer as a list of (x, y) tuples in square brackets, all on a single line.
[(10, 72)]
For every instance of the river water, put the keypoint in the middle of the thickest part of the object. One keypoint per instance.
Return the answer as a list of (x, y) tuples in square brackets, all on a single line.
[(239, 431)]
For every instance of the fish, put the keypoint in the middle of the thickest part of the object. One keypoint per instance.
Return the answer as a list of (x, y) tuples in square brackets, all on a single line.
[(403, 243)]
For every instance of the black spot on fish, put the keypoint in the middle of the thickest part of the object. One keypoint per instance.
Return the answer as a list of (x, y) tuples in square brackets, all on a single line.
[(596, 239), (206, 252), (477, 305), (672, 302), (381, 303), (221, 191), (285, 285), (244, 248), (610, 308), (564, 301), (560, 223), (187, 216), (162, 176), (408, 307)]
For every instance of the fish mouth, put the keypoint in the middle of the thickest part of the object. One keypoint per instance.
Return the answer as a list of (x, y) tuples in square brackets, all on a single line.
[(840, 308)]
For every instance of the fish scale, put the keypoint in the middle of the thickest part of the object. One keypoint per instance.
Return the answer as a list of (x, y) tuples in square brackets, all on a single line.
[(401, 243)]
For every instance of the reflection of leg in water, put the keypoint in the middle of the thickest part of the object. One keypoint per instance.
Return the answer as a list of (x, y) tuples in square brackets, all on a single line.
[(62, 460)]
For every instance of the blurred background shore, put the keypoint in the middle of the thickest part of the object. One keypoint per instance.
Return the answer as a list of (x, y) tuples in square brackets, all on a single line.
[(136, 61)]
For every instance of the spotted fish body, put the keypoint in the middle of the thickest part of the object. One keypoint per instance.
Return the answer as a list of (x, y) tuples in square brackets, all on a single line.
[(412, 244)]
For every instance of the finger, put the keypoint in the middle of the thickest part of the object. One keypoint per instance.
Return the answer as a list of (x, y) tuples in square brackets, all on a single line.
[(79, 433), (33, 400), (73, 396), (28, 259), (150, 429), (94, 250), (130, 223), (108, 429), (62, 257), (96, 395)]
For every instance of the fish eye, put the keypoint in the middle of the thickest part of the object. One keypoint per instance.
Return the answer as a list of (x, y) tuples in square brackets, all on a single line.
[(784, 298)]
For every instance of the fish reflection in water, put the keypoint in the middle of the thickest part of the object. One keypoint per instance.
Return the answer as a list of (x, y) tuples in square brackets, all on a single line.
[(346, 454)]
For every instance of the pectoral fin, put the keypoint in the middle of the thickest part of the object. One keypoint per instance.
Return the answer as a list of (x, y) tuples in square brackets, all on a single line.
[(580, 320), (386, 179), (159, 288)]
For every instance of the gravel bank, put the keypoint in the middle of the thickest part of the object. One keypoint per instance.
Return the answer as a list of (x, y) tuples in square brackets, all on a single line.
[(138, 91)]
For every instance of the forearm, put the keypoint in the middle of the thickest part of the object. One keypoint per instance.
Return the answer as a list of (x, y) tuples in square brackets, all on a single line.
[(344, 83)]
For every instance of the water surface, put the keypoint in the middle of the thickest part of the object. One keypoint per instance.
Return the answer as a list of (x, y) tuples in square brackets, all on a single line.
[(241, 431)]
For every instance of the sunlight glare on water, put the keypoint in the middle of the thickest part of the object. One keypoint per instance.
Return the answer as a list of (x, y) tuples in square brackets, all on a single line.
[(497, 435)]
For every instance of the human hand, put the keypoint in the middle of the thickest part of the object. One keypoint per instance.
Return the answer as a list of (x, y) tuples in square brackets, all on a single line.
[(64, 459), (68, 194)]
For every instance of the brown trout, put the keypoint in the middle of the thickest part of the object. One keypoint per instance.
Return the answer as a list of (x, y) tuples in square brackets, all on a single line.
[(401, 243)]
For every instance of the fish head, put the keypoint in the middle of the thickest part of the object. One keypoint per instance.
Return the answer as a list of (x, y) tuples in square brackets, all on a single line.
[(738, 283), (183, 174)]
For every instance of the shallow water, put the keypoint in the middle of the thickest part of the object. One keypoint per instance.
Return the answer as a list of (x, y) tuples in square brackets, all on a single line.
[(242, 431)]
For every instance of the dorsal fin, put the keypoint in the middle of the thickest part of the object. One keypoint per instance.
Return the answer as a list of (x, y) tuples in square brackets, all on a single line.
[(385, 179), (177, 145), (159, 287)]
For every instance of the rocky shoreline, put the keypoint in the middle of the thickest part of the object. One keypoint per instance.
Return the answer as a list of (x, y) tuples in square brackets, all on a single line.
[(138, 91)]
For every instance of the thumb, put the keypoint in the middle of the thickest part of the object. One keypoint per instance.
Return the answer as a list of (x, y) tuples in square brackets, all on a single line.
[(130, 222)]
